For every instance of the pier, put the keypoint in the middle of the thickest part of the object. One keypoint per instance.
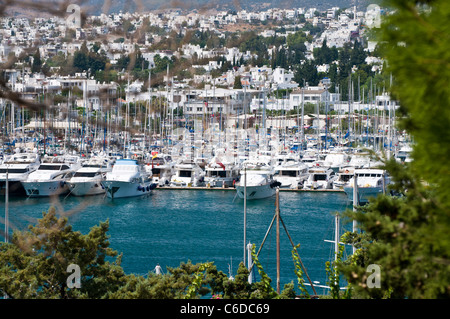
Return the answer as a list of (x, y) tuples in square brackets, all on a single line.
[(205, 188)]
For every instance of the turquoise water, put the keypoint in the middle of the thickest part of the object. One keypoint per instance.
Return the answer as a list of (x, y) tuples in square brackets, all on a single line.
[(173, 226)]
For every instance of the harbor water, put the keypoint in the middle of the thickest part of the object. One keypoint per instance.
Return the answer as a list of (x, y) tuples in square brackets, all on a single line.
[(169, 227)]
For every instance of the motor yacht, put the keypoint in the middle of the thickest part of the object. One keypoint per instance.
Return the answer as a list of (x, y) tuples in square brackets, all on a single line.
[(52, 176), (187, 173), (256, 179), (291, 173), (18, 166), (87, 180), (128, 178), (370, 183), (320, 178)]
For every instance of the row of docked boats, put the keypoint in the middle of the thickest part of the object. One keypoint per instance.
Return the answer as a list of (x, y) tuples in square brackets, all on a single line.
[(29, 175), (255, 175)]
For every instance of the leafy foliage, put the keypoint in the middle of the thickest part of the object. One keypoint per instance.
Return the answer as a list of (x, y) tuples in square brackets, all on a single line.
[(409, 233), (34, 265), (299, 272)]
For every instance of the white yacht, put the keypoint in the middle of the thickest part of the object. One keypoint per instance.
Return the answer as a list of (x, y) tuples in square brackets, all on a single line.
[(336, 160), (18, 166), (128, 179), (370, 183), (187, 174), (256, 179), (320, 178), (87, 180), (221, 172), (343, 177), (163, 167), (52, 176), (359, 160), (310, 159), (291, 173)]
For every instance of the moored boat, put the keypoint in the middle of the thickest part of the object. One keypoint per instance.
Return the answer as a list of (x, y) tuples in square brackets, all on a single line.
[(87, 180), (51, 177), (256, 179), (370, 183), (128, 179), (18, 167)]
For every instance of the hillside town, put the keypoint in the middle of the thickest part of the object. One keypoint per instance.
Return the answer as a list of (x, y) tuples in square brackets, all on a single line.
[(193, 63)]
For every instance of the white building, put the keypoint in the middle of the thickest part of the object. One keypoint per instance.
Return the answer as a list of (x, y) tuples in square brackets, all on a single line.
[(283, 79)]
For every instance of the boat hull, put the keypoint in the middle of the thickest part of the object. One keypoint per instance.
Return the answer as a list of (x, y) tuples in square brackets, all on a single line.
[(15, 188), (364, 193), (256, 192), (45, 188), (186, 182), (318, 185), (86, 188), (119, 189), (220, 182)]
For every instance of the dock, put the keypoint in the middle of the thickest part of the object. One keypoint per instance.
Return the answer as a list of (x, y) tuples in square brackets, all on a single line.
[(205, 188)]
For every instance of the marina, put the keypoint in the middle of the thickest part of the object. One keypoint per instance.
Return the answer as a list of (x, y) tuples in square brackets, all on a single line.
[(171, 226), (197, 172), (199, 194)]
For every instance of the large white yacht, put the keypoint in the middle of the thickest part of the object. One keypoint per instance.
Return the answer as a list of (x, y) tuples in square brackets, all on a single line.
[(163, 167), (187, 174), (128, 179), (256, 179), (370, 183), (52, 176), (18, 166), (291, 172), (221, 172), (336, 160), (343, 177), (320, 178), (87, 180)]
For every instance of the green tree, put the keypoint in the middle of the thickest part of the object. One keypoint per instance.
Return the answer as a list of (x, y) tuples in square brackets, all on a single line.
[(80, 61), (308, 72), (324, 54), (37, 63), (34, 264), (237, 82)]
